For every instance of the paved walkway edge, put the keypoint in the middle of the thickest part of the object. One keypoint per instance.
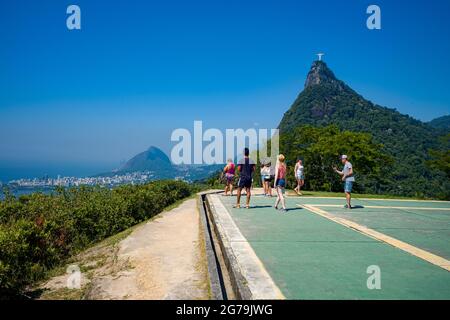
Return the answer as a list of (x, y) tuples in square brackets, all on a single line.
[(250, 279)]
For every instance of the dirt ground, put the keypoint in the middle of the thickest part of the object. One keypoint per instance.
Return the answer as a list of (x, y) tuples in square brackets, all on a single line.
[(163, 258)]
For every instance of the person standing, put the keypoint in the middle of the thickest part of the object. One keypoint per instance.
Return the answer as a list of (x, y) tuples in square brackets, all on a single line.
[(262, 173), (267, 179), (348, 178), (229, 172), (246, 167), (299, 172), (280, 182)]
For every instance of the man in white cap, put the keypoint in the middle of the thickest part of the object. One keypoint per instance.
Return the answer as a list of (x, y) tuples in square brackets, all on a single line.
[(348, 178)]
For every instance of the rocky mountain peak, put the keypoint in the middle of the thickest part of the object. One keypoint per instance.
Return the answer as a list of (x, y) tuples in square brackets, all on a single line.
[(320, 74)]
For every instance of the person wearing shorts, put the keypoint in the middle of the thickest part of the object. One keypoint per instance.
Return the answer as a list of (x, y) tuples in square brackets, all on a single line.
[(229, 172), (246, 167), (347, 178), (299, 172), (267, 178), (262, 172), (280, 182)]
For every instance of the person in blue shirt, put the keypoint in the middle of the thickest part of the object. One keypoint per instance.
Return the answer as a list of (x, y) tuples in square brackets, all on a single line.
[(246, 167)]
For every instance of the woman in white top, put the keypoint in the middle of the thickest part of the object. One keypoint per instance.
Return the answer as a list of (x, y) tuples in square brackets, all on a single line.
[(299, 172), (265, 176)]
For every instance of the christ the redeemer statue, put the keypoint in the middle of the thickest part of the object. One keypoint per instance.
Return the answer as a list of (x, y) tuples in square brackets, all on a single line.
[(320, 54)]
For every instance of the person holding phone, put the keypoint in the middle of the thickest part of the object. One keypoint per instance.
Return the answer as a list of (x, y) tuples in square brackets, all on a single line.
[(348, 178)]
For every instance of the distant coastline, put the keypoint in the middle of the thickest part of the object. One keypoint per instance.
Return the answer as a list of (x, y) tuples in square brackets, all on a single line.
[(47, 184)]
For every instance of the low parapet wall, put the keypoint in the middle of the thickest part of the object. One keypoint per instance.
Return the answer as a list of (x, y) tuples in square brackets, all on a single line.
[(247, 274)]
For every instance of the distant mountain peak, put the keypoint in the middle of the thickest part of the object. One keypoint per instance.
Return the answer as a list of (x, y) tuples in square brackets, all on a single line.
[(153, 159), (156, 153), (320, 74)]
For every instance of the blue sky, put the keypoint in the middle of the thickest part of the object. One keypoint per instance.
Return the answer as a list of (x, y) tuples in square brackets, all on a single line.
[(136, 70)]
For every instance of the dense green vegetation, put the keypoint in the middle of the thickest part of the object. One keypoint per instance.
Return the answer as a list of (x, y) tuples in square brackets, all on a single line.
[(329, 101), (38, 231), (320, 147), (441, 122), (440, 159)]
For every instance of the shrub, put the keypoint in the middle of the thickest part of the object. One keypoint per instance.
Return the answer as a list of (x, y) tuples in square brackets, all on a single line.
[(39, 231)]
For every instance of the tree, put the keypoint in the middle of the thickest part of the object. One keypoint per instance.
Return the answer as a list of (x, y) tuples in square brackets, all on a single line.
[(440, 159), (320, 148)]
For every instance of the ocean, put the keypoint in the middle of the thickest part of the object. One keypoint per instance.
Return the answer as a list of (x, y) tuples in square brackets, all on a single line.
[(10, 171)]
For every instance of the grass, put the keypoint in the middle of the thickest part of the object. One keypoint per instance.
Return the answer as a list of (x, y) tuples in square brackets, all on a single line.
[(354, 195), (202, 262), (62, 294)]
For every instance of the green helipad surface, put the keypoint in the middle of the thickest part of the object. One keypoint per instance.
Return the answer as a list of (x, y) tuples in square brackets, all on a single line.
[(311, 257)]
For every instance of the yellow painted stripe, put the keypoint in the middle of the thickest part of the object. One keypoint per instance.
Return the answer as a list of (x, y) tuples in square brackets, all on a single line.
[(381, 207), (422, 254)]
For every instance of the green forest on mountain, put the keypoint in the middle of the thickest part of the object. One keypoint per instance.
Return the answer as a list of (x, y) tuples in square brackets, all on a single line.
[(408, 145), (319, 148)]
